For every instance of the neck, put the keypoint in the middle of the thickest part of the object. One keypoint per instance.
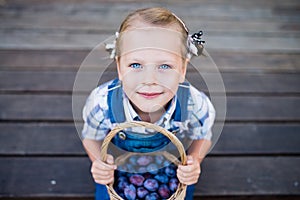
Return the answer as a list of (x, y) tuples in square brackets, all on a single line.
[(150, 117)]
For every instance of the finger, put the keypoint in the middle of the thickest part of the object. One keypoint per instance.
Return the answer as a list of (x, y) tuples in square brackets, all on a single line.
[(190, 160), (189, 169), (110, 159), (102, 173), (102, 176), (188, 180), (104, 181), (103, 166)]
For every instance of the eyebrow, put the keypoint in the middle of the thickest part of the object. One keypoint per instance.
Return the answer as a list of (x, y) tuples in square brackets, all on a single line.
[(138, 60)]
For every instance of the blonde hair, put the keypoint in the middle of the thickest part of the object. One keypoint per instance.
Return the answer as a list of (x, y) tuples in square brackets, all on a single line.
[(154, 16)]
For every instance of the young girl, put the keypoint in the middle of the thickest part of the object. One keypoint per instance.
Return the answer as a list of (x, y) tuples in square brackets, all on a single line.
[(152, 50)]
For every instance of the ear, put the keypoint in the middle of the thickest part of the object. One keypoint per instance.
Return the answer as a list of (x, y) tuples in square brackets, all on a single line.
[(118, 68), (183, 72)]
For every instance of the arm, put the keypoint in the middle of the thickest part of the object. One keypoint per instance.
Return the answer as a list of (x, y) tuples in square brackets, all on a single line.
[(189, 174), (103, 172), (92, 148), (199, 149)]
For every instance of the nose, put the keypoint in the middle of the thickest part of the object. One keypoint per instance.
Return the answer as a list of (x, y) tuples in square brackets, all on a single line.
[(150, 76)]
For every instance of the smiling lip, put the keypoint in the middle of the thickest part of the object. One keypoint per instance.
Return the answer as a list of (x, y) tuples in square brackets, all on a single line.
[(149, 95)]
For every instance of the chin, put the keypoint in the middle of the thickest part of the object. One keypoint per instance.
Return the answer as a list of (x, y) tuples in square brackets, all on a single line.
[(151, 108)]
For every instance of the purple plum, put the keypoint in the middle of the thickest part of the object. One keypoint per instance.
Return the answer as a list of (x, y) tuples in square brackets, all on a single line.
[(130, 168), (173, 184), (147, 175), (133, 159), (122, 185), (151, 184), (121, 178), (152, 196), (130, 192), (152, 168), (159, 159), (144, 160), (170, 171), (142, 192), (162, 178), (142, 170), (137, 180), (164, 191)]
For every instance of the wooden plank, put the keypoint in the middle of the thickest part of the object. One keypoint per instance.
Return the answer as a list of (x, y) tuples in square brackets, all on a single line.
[(258, 139), (59, 107), (67, 177), (32, 139), (38, 177), (215, 27), (41, 59), (255, 83), (249, 175), (63, 81), (215, 10), (18, 39), (28, 139), (72, 59)]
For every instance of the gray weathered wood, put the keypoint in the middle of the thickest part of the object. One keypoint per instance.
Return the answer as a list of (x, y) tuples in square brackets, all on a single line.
[(59, 107), (31, 139), (63, 81), (18, 39), (45, 177), (72, 59)]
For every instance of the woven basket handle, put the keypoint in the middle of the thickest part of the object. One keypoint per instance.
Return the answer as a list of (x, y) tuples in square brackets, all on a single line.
[(120, 127)]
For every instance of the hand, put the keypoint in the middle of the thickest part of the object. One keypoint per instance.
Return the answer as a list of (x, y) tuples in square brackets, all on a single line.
[(189, 174), (103, 173)]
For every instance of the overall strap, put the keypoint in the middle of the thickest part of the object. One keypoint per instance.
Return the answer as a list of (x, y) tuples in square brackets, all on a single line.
[(115, 102), (181, 110)]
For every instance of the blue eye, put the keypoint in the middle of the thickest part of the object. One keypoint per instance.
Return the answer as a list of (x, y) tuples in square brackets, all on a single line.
[(135, 66), (164, 66)]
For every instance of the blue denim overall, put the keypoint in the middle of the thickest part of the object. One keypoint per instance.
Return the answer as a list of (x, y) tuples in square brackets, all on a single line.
[(134, 142)]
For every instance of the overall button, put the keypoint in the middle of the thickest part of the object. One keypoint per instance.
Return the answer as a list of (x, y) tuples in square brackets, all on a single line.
[(122, 135)]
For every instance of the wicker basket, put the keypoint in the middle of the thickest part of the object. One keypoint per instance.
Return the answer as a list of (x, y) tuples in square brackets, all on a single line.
[(181, 190)]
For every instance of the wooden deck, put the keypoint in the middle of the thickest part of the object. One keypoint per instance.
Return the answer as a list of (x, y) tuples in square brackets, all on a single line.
[(255, 44)]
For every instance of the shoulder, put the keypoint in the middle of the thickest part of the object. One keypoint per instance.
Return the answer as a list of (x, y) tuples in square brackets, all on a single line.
[(200, 104), (96, 102), (198, 98)]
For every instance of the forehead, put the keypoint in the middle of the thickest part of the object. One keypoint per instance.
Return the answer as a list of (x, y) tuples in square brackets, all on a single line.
[(156, 38)]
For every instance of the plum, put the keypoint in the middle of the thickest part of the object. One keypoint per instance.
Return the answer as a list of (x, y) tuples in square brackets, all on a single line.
[(152, 196), (137, 179), (151, 184), (122, 185), (130, 168), (164, 191), (159, 159), (142, 169), (170, 171), (162, 178), (130, 192), (144, 160), (142, 192), (133, 160), (166, 163), (121, 178), (147, 175), (152, 168), (173, 184)]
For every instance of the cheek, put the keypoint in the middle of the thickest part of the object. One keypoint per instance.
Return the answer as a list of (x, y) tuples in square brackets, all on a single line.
[(170, 80)]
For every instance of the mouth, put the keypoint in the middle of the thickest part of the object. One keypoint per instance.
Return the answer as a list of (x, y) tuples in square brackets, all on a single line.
[(150, 95)]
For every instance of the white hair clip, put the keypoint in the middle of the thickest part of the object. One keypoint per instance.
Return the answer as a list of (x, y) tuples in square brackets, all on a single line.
[(195, 44), (111, 47)]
